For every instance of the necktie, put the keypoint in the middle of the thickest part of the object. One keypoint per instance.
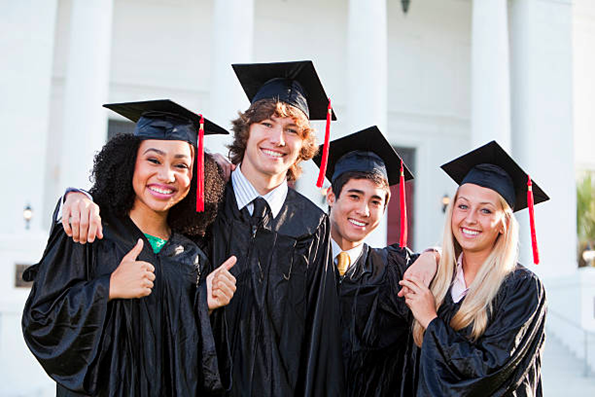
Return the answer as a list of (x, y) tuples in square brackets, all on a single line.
[(260, 209), (343, 262), (258, 214)]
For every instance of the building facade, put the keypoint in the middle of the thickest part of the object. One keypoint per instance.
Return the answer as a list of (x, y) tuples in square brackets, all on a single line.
[(438, 80)]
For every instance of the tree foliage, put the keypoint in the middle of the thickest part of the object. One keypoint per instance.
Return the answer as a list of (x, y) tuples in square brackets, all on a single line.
[(585, 209), (585, 216)]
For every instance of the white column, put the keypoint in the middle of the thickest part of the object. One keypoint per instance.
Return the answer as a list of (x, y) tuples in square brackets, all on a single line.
[(367, 65), (541, 33), (367, 76), (233, 24), (27, 48), (490, 77), (86, 89)]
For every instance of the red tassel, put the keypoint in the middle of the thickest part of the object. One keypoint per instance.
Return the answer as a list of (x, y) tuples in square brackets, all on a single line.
[(325, 148), (200, 169), (531, 206), (403, 208)]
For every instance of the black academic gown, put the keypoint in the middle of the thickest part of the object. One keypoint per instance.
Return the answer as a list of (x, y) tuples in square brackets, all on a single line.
[(504, 361), (283, 320), (159, 345), (376, 322)]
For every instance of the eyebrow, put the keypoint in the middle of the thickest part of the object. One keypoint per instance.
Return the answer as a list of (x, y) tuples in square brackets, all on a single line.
[(481, 203), (293, 124), (162, 153), (353, 190)]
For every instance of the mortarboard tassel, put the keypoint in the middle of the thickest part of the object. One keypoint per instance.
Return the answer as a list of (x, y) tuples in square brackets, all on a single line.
[(325, 149), (200, 169), (403, 208), (531, 207)]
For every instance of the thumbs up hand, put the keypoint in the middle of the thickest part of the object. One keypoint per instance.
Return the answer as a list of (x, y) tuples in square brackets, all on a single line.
[(132, 278), (221, 285)]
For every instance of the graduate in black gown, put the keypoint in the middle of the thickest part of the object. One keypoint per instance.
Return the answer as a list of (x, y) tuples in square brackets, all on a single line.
[(481, 324), (283, 324), (129, 314), (375, 321)]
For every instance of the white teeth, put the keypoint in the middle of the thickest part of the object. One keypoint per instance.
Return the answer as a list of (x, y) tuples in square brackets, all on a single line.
[(357, 223), (470, 232), (162, 191), (271, 153)]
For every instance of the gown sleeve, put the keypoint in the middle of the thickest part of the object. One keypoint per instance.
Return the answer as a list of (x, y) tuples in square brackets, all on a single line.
[(64, 316), (395, 261), (498, 362), (215, 351), (323, 372)]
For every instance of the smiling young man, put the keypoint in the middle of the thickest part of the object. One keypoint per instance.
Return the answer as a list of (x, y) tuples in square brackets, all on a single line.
[(283, 326), (375, 321)]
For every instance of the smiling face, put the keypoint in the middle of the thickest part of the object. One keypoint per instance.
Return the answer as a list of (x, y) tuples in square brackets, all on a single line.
[(477, 219), (356, 212), (162, 174), (273, 146)]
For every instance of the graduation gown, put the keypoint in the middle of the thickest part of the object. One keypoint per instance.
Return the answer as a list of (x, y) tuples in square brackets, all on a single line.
[(159, 345), (283, 320), (375, 322), (504, 361)]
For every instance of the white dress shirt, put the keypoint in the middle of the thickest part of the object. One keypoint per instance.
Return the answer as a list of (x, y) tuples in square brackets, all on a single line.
[(459, 288), (246, 193)]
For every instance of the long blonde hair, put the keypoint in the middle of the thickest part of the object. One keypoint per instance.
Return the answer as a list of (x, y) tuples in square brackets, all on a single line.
[(501, 261)]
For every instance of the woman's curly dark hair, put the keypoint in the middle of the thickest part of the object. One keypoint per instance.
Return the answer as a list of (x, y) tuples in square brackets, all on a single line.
[(112, 190)]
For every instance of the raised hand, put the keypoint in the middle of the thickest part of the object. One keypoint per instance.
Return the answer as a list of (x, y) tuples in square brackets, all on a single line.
[(420, 300), (80, 218), (132, 278), (424, 268), (221, 285)]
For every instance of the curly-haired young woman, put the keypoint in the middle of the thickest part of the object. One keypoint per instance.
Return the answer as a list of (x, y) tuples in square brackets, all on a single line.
[(128, 315)]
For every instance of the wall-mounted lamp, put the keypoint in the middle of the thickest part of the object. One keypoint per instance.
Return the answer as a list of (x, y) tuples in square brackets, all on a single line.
[(405, 5), (27, 215), (445, 202)]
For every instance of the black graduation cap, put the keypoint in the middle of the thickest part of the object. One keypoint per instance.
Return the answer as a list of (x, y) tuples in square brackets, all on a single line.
[(164, 119), (366, 150), (491, 167), (295, 83)]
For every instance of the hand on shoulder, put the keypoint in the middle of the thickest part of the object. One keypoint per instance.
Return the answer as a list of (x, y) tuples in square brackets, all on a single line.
[(80, 218)]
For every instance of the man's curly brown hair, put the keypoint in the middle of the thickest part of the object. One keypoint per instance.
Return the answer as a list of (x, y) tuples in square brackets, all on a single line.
[(112, 189), (265, 109)]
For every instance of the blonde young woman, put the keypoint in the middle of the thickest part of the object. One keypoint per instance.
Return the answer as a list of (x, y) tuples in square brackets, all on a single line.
[(480, 326)]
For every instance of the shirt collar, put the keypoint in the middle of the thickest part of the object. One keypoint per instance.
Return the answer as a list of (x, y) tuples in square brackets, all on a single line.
[(353, 253), (245, 193), (459, 288)]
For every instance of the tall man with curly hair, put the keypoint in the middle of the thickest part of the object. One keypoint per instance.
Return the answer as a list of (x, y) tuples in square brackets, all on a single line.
[(283, 326)]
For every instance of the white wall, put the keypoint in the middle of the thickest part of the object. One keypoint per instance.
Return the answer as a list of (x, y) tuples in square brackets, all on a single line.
[(584, 83), (428, 99)]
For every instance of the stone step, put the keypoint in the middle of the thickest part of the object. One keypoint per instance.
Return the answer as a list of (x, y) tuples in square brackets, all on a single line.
[(563, 374)]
